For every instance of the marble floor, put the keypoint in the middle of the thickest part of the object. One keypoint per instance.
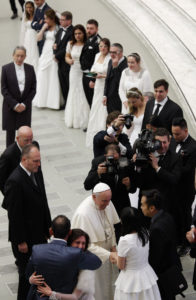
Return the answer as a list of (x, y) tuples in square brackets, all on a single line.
[(65, 163)]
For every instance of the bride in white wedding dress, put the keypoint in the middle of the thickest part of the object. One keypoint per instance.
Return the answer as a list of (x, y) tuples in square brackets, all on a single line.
[(28, 36), (98, 113), (48, 87), (77, 108)]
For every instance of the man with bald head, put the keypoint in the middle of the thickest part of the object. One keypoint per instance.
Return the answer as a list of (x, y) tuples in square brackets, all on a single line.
[(10, 158), (97, 216), (28, 212)]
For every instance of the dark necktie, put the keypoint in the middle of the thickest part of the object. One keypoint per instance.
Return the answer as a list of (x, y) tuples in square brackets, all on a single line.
[(32, 176), (157, 110)]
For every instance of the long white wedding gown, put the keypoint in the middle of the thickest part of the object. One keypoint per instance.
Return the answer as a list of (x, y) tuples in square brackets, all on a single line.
[(48, 87), (138, 280), (28, 39), (98, 113), (77, 108)]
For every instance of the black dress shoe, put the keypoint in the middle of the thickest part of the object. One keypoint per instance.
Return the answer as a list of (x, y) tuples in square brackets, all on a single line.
[(14, 16)]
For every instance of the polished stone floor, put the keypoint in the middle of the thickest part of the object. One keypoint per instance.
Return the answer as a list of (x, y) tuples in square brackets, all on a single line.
[(65, 163)]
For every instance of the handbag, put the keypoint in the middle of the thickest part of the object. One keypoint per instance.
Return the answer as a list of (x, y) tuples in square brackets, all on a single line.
[(173, 281)]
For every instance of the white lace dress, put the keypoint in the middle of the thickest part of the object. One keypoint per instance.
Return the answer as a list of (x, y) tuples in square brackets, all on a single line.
[(28, 39), (77, 108), (129, 79), (48, 87), (137, 281), (98, 113)]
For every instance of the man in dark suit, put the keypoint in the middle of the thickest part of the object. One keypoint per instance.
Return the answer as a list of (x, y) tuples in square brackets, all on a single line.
[(14, 9), (90, 49), (162, 249), (116, 65), (63, 36), (113, 134), (185, 146), (18, 87), (38, 19), (120, 180), (10, 158), (162, 106), (59, 264), (28, 212), (162, 172)]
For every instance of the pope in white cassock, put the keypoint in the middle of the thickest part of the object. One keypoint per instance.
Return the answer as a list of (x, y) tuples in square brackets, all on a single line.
[(96, 215)]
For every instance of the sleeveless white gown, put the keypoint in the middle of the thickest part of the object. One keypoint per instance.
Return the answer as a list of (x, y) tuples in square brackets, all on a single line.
[(98, 113), (77, 108), (48, 87)]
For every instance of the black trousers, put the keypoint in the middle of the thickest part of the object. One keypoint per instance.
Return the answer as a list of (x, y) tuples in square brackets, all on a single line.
[(10, 137), (63, 72), (87, 90), (13, 5), (22, 259)]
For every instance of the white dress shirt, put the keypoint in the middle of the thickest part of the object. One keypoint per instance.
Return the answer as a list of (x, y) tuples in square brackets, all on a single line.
[(162, 103), (20, 75)]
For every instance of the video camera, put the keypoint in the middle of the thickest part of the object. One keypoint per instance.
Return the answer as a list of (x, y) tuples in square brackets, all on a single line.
[(145, 145)]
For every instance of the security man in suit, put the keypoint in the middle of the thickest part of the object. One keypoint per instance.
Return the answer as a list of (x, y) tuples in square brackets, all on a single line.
[(10, 158), (162, 248), (63, 36), (162, 106), (90, 49), (185, 146), (28, 212)]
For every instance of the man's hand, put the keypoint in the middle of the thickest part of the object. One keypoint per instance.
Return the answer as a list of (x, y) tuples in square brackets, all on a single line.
[(101, 169), (104, 101), (36, 279), (110, 139), (92, 84), (190, 235), (120, 121), (154, 161), (126, 182), (113, 249), (20, 108), (113, 257), (23, 248), (54, 46), (115, 61)]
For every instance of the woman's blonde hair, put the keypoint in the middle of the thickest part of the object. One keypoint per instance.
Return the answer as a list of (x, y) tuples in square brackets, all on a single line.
[(136, 94)]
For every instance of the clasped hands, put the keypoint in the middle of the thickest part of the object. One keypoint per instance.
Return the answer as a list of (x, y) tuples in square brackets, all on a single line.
[(113, 255), (20, 108)]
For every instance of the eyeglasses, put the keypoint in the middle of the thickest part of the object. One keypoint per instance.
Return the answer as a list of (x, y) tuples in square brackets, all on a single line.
[(114, 52)]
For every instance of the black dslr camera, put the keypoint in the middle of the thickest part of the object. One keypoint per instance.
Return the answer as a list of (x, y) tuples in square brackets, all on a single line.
[(128, 120), (145, 145), (111, 164)]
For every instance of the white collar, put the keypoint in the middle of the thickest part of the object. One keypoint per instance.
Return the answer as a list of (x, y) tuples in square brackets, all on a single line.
[(162, 103), (19, 146), (19, 67), (28, 173), (41, 7)]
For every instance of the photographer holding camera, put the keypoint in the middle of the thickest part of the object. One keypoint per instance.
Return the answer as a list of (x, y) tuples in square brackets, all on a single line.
[(158, 167), (112, 135), (115, 171)]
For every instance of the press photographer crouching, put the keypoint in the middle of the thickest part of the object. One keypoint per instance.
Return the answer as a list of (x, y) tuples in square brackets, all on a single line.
[(117, 172), (157, 167), (113, 135)]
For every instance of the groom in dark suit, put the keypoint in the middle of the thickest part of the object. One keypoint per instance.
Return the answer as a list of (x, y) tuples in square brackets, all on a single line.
[(63, 36), (162, 107), (18, 87), (58, 264), (38, 19)]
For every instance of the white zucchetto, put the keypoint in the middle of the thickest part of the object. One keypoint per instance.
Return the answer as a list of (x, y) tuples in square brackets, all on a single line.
[(101, 187)]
